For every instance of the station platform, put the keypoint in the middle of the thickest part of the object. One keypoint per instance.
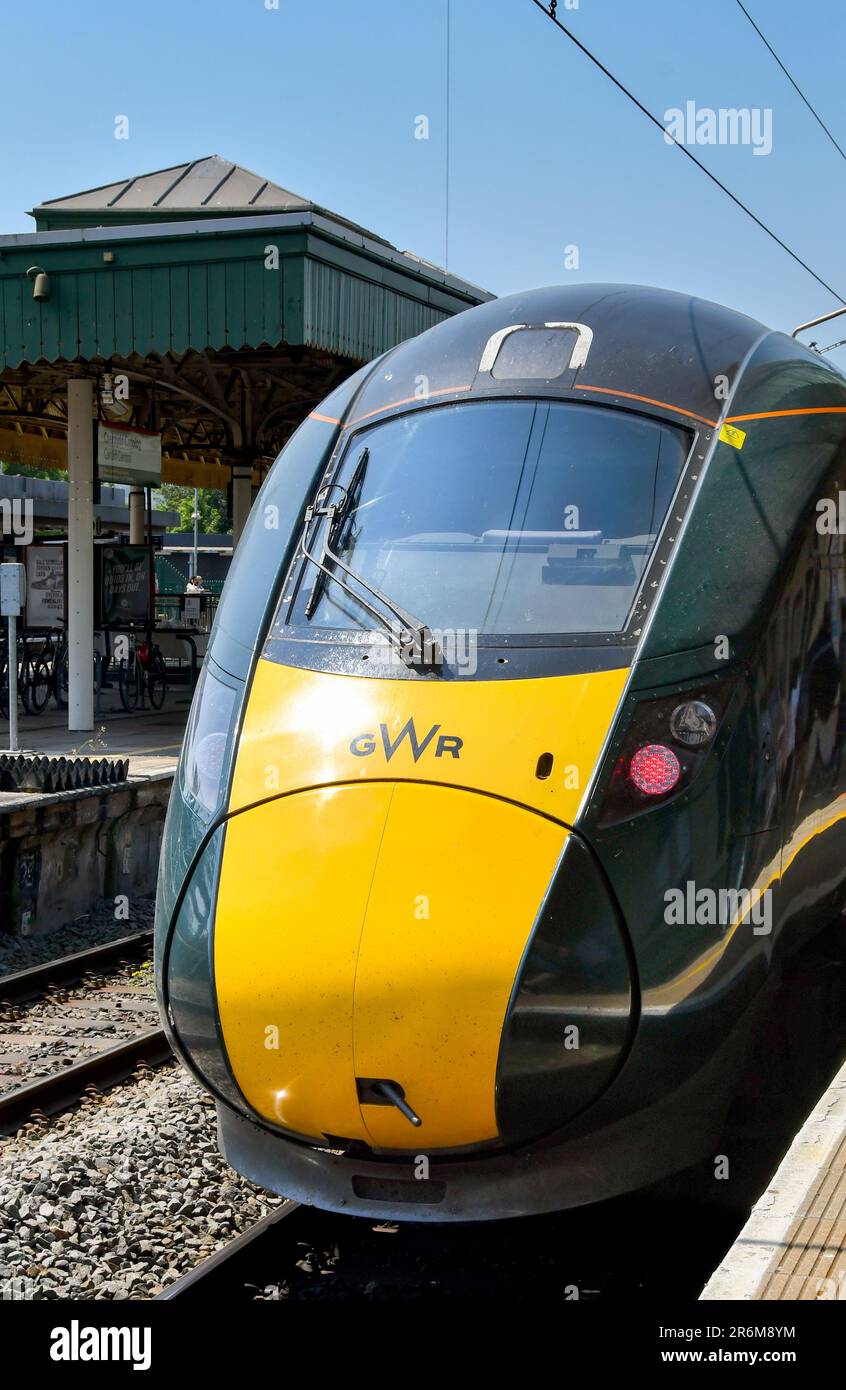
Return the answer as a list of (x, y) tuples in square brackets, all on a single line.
[(151, 739), (63, 853), (793, 1247)]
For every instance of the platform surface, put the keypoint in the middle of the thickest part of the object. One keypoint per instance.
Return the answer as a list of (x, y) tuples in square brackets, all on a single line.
[(151, 740), (793, 1246)]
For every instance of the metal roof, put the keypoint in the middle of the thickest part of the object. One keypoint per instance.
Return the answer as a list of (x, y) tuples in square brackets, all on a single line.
[(210, 186)]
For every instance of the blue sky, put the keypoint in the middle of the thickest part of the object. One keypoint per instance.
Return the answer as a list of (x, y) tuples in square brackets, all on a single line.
[(545, 153)]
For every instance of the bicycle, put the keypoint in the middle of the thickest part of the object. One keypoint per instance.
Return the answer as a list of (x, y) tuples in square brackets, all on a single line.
[(129, 681), (36, 675), (155, 672), (33, 677), (59, 678), (56, 654), (143, 671)]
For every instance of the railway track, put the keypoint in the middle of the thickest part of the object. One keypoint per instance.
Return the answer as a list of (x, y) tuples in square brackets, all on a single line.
[(231, 1266), (49, 1095), (43, 998), (64, 970)]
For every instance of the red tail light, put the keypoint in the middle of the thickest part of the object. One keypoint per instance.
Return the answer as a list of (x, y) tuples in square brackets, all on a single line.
[(664, 743), (143, 653), (654, 769)]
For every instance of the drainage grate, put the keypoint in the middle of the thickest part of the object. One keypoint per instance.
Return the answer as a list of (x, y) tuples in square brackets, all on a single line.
[(27, 772)]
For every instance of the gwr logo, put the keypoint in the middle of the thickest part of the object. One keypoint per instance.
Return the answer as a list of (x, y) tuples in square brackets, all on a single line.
[(365, 744)]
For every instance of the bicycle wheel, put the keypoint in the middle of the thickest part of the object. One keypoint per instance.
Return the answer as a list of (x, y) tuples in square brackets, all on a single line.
[(130, 683), (157, 680), (35, 687), (24, 676), (61, 677)]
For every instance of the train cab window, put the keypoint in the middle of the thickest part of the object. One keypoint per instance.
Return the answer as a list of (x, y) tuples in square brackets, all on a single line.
[(503, 517)]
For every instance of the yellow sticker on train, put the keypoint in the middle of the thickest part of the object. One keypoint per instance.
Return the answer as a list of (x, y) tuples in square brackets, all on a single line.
[(730, 434)]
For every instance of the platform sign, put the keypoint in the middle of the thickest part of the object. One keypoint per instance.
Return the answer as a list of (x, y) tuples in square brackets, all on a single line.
[(127, 454), (125, 585), (45, 585)]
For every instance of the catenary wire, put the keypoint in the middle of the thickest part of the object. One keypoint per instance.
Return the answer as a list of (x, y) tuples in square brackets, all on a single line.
[(551, 14)]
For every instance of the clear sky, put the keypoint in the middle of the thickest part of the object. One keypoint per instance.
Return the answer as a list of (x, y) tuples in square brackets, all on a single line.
[(322, 96)]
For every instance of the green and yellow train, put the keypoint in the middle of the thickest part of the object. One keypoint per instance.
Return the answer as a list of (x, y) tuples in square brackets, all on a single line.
[(515, 770)]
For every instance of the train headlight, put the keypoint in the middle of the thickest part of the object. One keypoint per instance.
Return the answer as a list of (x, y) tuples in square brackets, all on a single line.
[(204, 761), (665, 744), (654, 769), (693, 723)]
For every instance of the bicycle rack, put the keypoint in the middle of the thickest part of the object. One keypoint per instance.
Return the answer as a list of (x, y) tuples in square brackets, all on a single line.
[(27, 772)]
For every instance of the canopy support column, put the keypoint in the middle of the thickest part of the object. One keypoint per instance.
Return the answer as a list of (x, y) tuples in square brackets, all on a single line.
[(80, 577), (137, 535), (242, 497)]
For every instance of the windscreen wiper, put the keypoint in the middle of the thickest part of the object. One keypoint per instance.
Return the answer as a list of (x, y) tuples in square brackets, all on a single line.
[(337, 512), (414, 642)]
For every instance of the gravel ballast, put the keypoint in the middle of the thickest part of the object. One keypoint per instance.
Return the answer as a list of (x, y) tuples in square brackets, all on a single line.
[(121, 1197), (40, 1037), (94, 929)]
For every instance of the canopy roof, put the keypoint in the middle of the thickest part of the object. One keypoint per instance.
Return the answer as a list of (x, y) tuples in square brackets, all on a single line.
[(208, 187), (230, 321)]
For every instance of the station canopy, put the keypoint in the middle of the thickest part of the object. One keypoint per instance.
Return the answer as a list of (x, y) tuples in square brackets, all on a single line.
[(226, 306)]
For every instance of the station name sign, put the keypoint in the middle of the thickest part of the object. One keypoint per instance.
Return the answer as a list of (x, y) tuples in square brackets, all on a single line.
[(127, 454)]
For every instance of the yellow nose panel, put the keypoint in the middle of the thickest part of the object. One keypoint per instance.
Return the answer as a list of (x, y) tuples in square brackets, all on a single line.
[(446, 927), (310, 728), (293, 892), (368, 931)]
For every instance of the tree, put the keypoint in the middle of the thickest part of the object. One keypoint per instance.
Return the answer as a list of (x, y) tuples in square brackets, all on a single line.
[(29, 470), (211, 504)]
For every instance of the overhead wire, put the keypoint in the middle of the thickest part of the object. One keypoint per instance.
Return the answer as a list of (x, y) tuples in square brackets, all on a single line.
[(551, 14), (817, 117)]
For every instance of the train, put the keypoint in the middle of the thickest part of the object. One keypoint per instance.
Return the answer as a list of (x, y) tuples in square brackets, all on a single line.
[(514, 775)]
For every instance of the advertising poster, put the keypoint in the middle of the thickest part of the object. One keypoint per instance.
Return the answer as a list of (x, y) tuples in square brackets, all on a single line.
[(125, 585), (45, 585)]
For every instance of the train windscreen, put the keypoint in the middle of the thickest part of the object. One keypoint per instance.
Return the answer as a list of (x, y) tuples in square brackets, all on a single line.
[(500, 517)]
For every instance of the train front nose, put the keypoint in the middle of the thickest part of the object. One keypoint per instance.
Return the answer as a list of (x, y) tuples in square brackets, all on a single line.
[(451, 944), (373, 933)]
